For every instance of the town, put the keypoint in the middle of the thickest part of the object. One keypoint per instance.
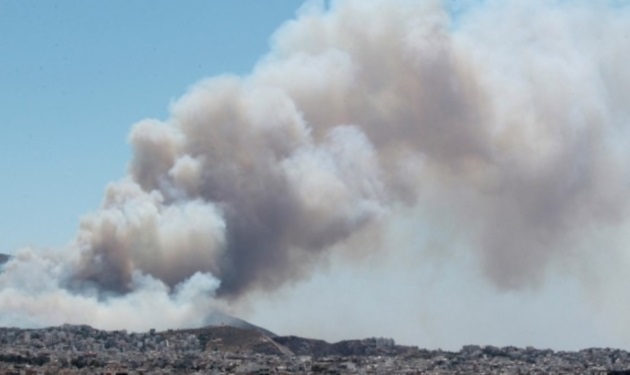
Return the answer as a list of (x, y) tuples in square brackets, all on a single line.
[(80, 349)]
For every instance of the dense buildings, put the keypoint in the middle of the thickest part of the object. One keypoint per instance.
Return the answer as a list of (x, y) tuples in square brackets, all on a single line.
[(226, 350)]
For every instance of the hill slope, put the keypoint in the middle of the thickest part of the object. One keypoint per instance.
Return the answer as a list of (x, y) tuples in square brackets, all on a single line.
[(218, 318), (233, 339)]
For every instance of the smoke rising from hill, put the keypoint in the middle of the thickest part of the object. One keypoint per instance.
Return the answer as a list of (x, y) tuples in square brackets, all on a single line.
[(510, 120)]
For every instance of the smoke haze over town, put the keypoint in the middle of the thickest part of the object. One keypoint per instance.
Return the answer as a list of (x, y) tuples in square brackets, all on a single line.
[(440, 172)]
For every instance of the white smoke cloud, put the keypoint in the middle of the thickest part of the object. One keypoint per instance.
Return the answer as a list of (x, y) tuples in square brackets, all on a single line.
[(503, 126), (136, 230), (33, 294)]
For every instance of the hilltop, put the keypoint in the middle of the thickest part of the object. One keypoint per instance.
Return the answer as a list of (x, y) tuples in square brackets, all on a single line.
[(217, 318)]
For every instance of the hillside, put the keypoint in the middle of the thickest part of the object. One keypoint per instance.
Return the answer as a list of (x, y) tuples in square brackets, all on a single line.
[(233, 339), (217, 318)]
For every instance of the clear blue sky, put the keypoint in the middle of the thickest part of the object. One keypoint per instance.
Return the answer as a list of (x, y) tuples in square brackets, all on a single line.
[(75, 75)]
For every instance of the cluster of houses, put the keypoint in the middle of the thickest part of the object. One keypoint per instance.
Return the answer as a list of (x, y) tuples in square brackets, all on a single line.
[(73, 349)]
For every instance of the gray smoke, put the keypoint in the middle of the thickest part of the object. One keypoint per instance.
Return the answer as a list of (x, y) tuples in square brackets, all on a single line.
[(508, 123)]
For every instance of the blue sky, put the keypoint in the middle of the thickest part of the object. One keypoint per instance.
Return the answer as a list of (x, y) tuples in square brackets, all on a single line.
[(75, 75)]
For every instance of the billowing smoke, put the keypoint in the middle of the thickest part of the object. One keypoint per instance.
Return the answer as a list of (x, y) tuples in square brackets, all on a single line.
[(504, 123)]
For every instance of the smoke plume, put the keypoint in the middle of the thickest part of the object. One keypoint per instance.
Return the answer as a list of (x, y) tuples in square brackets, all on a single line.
[(503, 122)]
